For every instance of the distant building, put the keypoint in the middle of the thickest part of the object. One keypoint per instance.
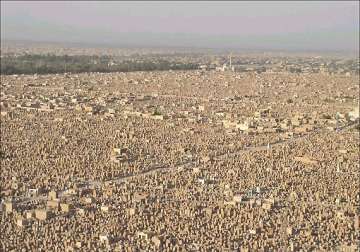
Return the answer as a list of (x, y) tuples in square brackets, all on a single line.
[(225, 66)]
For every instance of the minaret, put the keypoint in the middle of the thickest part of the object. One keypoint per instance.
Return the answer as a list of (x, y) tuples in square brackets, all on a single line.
[(230, 60)]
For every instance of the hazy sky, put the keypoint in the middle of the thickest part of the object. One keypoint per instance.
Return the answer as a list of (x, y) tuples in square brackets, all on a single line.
[(321, 25)]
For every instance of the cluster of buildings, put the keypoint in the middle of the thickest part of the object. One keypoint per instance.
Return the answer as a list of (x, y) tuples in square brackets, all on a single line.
[(205, 59), (284, 64)]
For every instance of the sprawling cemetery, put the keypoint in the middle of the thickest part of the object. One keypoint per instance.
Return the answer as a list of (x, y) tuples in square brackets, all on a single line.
[(198, 160)]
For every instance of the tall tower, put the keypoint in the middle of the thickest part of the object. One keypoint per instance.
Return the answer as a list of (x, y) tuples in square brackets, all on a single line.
[(230, 60)]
